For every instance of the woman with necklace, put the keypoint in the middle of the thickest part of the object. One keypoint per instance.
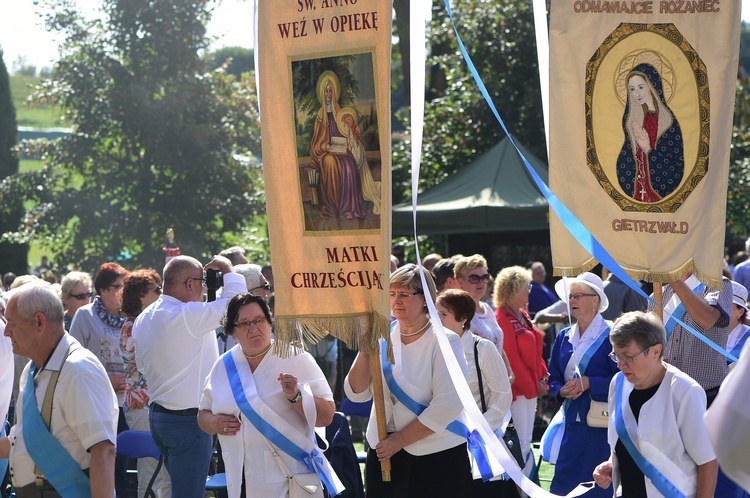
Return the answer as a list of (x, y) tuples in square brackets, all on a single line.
[(426, 459), (580, 372), (523, 344), (97, 327), (257, 401), (658, 439)]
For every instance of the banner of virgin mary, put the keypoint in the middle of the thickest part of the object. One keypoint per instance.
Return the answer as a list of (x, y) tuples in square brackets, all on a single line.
[(324, 72), (641, 105)]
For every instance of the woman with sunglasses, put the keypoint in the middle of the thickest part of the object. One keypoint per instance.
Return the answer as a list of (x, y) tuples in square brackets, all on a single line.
[(658, 439), (420, 401), (579, 372), (265, 407), (523, 347), (140, 289), (76, 292)]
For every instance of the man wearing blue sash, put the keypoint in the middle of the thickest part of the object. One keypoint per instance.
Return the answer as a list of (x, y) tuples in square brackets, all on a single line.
[(660, 445), (6, 384), (176, 347), (64, 441)]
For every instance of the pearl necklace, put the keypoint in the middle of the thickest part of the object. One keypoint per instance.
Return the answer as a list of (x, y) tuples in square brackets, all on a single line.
[(424, 327), (254, 356)]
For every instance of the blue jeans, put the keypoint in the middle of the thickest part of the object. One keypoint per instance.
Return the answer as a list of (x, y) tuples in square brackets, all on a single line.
[(186, 449)]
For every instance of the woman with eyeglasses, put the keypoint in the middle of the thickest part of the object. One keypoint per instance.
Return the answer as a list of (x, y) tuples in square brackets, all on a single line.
[(262, 406), (579, 372), (76, 292), (97, 327), (140, 289), (523, 347), (420, 401), (658, 439)]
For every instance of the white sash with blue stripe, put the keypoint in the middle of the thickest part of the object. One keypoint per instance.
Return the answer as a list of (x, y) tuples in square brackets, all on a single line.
[(553, 436), (665, 476), (278, 431), (674, 310)]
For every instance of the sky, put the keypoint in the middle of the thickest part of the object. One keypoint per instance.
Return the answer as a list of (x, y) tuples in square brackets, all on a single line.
[(22, 33)]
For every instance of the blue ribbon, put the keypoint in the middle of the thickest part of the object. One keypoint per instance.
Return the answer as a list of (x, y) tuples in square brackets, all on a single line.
[(3, 461), (658, 479), (58, 467), (475, 441), (738, 347), (568, 219), (680, 311), (314, 461)]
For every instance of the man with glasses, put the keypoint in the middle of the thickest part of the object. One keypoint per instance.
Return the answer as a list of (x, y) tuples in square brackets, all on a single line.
[(175, 350)]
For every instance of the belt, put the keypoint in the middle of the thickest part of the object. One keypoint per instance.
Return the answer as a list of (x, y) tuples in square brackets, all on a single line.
[(187, 412), (41, 488)]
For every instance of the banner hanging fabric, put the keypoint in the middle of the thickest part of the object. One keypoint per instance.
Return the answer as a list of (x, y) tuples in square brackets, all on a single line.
[(641, 105), (324, 70)]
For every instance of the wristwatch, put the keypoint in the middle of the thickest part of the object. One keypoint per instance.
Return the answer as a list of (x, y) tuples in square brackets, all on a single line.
[(296, 398)]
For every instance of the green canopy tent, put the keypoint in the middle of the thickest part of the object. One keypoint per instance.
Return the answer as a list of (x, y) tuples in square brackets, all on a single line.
[(494, 196)]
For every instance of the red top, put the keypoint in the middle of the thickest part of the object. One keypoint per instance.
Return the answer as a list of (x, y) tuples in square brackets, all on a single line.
[(523, 344)]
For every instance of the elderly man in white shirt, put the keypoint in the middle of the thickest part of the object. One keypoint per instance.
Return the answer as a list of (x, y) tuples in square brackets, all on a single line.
[(175, 350)]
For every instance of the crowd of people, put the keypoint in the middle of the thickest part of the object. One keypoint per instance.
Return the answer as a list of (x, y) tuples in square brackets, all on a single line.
[(145, 350)]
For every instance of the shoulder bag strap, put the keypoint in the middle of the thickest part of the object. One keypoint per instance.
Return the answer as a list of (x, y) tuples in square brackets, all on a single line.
[(479, 373)]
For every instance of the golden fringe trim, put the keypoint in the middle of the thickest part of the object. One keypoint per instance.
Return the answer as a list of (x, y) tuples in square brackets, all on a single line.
[(360, 331), (664, 277)]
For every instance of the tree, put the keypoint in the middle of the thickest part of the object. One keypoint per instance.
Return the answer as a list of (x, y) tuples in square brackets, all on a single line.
[(12, 255), (240, 60), (458, 122), (156, 141)]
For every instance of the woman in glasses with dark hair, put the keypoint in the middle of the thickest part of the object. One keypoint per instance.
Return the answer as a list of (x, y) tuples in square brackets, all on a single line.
[(658, 439), (140, 289), (265, 408), (523, 348), (76, 291)]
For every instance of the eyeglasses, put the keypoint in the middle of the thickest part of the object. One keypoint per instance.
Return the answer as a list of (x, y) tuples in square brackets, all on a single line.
[(579, 295), (202, 279), (250, 323), (266, 286), (403, 295), (475, 279), (116, 286), (157, 289), (628, 360), (81, 297)]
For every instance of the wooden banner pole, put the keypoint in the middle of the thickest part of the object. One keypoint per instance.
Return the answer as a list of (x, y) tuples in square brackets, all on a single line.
[(377, 389), (658, 298)]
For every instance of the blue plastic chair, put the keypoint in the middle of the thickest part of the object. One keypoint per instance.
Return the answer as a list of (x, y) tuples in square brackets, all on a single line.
[(140, 444), (216, 482), (349, 407)]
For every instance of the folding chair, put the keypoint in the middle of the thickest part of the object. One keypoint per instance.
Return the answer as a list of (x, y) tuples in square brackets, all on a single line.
[(140, 444)]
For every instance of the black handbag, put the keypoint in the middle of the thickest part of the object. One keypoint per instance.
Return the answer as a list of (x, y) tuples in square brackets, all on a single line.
[(511, 435)]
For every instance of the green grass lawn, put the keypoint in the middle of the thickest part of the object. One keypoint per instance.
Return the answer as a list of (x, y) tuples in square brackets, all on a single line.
[(34, 116)]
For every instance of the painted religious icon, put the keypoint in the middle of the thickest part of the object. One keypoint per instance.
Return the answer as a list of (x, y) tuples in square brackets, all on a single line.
[(337, 143), (651, 162), (647, 117)]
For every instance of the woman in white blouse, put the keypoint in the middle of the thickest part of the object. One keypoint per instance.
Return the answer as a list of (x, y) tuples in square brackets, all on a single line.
[(251, 405), (456, 309), (426, 459), (659, 442)]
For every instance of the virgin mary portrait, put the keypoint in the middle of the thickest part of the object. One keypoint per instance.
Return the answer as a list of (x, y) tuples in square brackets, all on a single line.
[(651, 163), (340, 186)]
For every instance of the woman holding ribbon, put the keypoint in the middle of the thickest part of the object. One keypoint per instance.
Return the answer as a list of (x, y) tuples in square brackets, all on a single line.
[(579, 372), (265, 408), (492, 392), (427, 458), (660, 445)]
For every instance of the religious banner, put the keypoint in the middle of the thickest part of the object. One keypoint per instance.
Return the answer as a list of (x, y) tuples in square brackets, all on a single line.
[(641, 105), (324, 72)]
